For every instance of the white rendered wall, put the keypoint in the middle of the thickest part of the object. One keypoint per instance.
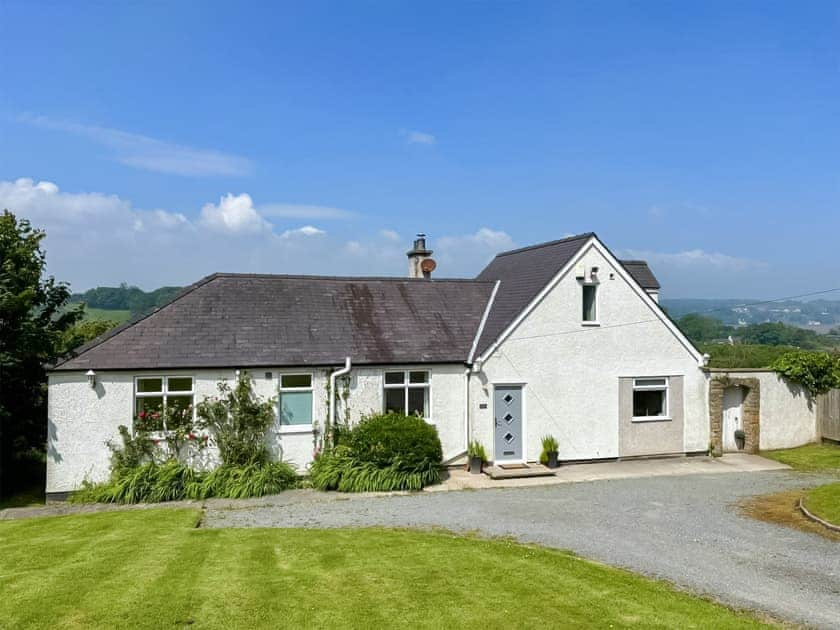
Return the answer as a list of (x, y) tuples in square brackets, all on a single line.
[(82, 420), (787, 415), (572, 371)]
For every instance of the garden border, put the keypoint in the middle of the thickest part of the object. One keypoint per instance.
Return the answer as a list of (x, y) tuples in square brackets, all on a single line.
[(815, 518)]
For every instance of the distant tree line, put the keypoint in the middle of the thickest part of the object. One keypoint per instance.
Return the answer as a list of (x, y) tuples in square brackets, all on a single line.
[(125, 297), (702, 329)]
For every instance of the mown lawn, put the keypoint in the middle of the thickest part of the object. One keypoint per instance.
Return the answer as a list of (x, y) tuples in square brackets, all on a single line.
[(811, 457), (153, 569), (824, 501)]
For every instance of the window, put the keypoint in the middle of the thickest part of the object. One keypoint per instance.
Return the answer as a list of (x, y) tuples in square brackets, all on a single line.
[(590, 302), (407, 392), (155, 394), (295, 406), (650, 398)]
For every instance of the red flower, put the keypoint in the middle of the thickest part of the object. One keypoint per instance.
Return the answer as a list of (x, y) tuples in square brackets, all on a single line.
[(156, 415), (157, 441), (192, 436), (142, 415)]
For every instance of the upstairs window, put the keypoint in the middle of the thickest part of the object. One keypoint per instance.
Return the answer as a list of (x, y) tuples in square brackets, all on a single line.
[(154, 394), (590, 303), (407, 392), (295, 399), (650, 398)]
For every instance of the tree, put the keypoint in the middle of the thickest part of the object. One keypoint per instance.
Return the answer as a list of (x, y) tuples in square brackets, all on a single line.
[(33, 318), (700, 328), (84, 331)]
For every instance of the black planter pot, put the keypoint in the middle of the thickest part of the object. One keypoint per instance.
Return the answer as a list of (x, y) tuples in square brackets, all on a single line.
[(475, 465), (740, 442), (552, 459)]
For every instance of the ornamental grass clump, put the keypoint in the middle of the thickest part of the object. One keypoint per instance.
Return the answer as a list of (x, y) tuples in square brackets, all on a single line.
[(383, 452)]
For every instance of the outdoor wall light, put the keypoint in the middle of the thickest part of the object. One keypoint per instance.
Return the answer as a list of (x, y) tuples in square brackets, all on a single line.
[(91, 376)]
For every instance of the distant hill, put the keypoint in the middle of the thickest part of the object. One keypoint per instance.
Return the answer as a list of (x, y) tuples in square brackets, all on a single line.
[(124, 301), (817, 315)]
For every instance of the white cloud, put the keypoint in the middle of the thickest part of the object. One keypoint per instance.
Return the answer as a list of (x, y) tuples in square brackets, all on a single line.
[(468, 254), (303, 211), (44, 201), (419, 137), (695, 258), (305, 231), (234, 214), (390, 235), (151, 154), (486, 238)]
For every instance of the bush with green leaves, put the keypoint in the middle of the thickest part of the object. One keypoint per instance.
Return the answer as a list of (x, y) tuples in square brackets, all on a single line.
[(816, 372), (383, 452), (238, 420)]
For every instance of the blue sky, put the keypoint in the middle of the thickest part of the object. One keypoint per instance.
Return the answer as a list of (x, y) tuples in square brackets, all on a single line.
[(160, 142)]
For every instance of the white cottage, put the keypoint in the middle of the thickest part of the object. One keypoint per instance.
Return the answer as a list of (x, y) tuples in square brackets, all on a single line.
[(560, 338)]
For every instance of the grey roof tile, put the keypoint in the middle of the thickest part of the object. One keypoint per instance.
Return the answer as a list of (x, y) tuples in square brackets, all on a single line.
[(237, 320)]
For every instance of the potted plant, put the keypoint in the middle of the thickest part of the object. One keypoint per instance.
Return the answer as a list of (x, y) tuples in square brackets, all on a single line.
[(740, 439), (548, 457), (477, 457)]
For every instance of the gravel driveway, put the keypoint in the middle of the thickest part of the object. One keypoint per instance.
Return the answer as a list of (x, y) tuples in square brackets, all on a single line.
[(683, 529)]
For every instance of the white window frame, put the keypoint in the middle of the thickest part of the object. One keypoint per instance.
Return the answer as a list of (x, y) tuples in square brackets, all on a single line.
[(295, 428), (596, 321), (405, 385), (164, 393), (658, 388)]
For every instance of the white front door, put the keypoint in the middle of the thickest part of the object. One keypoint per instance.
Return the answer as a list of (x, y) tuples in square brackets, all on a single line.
[(733, 402)]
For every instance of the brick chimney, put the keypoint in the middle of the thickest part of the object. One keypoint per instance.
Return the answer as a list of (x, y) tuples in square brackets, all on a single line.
[(420, 264)]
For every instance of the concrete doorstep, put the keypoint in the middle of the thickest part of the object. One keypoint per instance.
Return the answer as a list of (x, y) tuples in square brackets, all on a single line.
[(459, 479)]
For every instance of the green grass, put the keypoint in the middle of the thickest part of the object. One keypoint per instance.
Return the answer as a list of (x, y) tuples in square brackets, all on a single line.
[(824, 501), (810, 458), (152, 568), (98, 314)]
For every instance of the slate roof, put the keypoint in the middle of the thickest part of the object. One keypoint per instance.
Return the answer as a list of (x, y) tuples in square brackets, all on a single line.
[(642, 274), (238, 320), (522, 274), (251, 320)]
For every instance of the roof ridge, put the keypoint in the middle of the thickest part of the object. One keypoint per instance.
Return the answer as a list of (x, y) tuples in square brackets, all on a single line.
[(547, 244), (344, 278), (635, 261), (98, 341)]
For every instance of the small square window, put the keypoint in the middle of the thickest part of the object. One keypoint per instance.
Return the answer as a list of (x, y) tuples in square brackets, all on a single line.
[(149, 385), (395, 400), (179, 384), (650, 398), (295, 381), (394, 378), (418, 377)]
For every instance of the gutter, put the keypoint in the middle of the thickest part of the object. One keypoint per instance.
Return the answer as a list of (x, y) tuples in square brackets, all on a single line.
[(333, 376)]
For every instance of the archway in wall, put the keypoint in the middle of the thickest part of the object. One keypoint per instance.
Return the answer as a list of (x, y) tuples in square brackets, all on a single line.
[(750, 411)]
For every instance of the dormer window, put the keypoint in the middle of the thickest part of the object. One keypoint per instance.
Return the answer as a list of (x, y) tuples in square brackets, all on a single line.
[(590, 303)]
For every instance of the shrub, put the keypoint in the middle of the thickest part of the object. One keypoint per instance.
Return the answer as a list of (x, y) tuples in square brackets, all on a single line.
[(393, 438), (817, 372), (238, 419), (382, 453)]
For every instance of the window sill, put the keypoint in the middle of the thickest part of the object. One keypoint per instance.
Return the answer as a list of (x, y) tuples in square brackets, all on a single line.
[(652, 419), (590, 323), (291, 429)]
